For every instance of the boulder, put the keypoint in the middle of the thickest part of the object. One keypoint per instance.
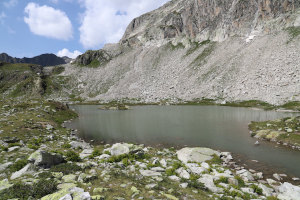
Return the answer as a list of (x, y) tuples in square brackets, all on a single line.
[(120, 149), (149, 173), (86, 153), (44, 159), (208, 181), (194, 167), (288, 191), (75, 192), (28, 169), (195, 154), (266, 190), (81, 145), (182, 173)]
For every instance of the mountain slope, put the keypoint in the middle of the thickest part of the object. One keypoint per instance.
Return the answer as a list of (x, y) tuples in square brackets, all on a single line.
[(43, 60), (190, 49)]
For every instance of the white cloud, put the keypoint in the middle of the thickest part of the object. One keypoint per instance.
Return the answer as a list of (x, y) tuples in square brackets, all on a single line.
[(10, 3), (49, 22), (57, 1), (66, 52), (105, 21), (2, 17)]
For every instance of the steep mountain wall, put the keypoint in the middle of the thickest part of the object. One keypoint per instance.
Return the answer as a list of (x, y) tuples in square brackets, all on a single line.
[(225, 50)]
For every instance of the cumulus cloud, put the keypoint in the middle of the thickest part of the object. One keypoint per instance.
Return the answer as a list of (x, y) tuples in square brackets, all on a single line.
[(105, 21), (10, 3), (49, 22), (66, 52)]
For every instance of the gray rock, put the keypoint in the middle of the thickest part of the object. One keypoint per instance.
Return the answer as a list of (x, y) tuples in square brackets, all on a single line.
[(13, 148), (288, 191), (5, 166), (28, 169), (149, 173), (208, 181), (119, 149), (195, 154), (82, 145), (182, 173), (86, 153), (44, 159)]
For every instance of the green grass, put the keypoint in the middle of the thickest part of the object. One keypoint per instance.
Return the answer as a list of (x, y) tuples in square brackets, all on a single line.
[(251, 103), (200, 59), (18, 165), (15, 67), (36, 191), (294, 105), (293, 32), (94, 64), (72, 156), (195, 46), (66, 168)]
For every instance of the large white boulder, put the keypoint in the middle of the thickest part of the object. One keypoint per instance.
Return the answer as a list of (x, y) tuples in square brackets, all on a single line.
[(197, 154), (120, 149), (288, 191)]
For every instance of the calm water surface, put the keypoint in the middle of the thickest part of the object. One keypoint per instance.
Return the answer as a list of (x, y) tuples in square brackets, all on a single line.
[(222, 128)]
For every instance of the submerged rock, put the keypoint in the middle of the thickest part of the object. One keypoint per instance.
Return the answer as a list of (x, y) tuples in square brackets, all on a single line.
[(195, 154)]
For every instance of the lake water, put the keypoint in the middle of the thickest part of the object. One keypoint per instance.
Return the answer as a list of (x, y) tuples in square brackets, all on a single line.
[(221, 128)]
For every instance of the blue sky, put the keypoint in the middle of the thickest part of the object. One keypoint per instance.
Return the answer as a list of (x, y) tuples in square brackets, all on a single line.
[(65, 27)]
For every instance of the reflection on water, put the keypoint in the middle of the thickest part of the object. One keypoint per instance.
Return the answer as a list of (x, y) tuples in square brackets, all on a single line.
[(222, 128)]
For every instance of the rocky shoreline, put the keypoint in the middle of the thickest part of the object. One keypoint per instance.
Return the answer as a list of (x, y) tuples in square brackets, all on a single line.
[(62, 166), (281, 131)]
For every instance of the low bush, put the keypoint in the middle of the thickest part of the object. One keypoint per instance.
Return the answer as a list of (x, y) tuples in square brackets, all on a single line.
[(66, 168)]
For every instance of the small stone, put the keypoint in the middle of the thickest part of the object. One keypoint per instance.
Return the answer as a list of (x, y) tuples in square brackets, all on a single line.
[(184, 185)]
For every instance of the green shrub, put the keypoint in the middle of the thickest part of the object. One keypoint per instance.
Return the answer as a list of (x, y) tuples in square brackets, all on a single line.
[(222, 179), (215, 160), (125, 162), (95, 153), (72, 156), (23, 192), (257, 189), (18, 165), (170, 172), (14, 145), (66, 146), (66, 168), (4, 148), (241, 182)]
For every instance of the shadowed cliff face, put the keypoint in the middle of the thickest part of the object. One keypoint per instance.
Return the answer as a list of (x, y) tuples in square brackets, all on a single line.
[(209, 19)]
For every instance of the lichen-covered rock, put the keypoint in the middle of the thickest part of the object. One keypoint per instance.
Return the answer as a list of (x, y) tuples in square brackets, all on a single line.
[(28, 169), (4, 184), (195, 154), (44, 159), (75, 192)]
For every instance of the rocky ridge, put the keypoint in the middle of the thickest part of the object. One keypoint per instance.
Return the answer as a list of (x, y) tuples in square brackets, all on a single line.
[(43, 60), (186, 50)]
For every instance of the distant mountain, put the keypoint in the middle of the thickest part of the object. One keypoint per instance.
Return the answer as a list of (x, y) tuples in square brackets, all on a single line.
[(43, 60)]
